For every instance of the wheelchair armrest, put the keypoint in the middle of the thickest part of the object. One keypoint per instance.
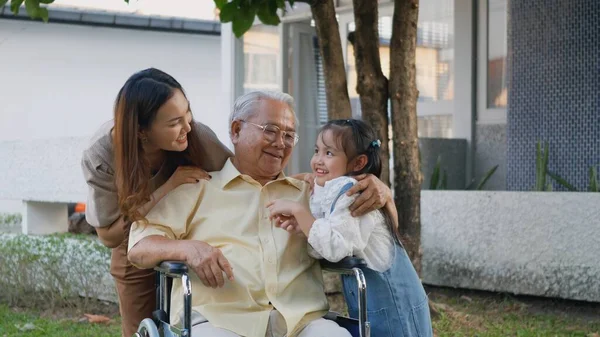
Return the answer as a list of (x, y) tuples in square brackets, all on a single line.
[(172, 268), (345, 264)]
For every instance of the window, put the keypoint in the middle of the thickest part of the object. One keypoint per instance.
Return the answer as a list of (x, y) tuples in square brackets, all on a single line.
[(261, 57), (434, 65), (496, 54)]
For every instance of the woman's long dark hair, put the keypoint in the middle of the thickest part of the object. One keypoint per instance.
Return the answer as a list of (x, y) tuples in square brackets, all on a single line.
[(136, 108), (356, 138)]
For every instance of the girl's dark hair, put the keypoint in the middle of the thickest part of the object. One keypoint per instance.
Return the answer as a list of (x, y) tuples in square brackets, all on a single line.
[(136, 108), (356, 138)]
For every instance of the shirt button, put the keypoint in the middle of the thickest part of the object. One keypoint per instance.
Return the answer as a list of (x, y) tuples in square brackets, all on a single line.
[(271, 260), (267, 240)]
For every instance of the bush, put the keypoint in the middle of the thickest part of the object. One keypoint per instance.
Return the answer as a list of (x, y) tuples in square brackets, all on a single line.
[(54, 270)]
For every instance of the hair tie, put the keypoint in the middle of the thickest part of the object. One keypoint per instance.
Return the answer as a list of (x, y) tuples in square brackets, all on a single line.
[(376, 144)]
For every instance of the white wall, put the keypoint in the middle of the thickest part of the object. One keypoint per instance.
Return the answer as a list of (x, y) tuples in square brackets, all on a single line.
[(58, 83), (60, 80)]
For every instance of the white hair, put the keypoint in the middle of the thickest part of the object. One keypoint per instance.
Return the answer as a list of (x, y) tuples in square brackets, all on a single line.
[(245, 105)]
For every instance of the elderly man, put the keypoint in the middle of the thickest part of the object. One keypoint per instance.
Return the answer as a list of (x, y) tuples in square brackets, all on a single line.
[(221, 226)]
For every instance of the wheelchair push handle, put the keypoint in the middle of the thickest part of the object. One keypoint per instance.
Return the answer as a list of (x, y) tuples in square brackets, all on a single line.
[(347, 263), (172, 268)]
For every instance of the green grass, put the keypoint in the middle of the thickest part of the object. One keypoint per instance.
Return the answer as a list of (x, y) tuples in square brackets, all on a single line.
[(12, 320), (461, 313), (497, 315)]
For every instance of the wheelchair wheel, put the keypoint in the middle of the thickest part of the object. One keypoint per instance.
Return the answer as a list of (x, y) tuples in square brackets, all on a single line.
[(147, 328)]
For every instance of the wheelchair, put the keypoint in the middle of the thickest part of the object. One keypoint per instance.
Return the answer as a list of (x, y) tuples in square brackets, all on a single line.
[(170, 271)]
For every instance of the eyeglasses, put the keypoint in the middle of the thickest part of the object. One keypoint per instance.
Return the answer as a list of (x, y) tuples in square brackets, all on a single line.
[(273, 132)]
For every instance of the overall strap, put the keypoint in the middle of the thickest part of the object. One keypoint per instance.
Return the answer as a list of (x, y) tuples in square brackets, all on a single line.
[(343, 190)]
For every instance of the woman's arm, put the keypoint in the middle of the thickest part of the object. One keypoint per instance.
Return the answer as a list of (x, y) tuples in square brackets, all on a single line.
[(113, 235)]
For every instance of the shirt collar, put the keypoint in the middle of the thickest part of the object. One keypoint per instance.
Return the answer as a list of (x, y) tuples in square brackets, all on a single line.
[(230, 173)]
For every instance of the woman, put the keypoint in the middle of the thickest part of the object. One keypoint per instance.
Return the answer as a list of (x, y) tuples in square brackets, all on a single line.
[(151, 147)]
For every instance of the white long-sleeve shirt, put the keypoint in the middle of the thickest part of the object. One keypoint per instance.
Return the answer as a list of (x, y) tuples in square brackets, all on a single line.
[(335, 235)]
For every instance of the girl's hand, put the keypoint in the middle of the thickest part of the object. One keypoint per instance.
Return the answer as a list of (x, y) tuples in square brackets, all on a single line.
[(187, 175), (282, 208), (288, 224)]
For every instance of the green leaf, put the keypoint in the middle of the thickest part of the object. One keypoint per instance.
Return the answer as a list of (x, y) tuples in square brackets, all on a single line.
[(243, 21), (281, 3), (220, 3), (14, 6), (444, 182), (562, 181), (486, 177), (593, 180), (43, 14), (435, 176), (267, 14), (228, 12), (32, 7), (2, 3), (46, 2)]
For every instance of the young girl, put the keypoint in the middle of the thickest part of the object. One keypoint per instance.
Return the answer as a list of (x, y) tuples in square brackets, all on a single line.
[(396, 301)]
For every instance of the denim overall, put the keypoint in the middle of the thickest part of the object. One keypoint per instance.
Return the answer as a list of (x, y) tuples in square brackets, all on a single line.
[(397, 305), (396, 301)]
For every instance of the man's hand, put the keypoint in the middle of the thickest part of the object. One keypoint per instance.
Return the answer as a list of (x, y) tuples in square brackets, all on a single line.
[(306, 177), (208, 263), (374, 194)]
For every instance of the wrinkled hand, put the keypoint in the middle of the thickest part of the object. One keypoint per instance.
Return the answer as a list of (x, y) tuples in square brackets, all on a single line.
[(374, 194), (209, 264), (187, 175)]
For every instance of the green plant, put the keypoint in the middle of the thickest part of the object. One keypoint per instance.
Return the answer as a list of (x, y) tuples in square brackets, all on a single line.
[(435, 183), (593, 180), (483, 181), (541, 167), (53, 270), (10, 218)]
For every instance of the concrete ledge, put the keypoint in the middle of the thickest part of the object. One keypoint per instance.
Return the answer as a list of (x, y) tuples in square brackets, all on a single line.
[(534, 243)]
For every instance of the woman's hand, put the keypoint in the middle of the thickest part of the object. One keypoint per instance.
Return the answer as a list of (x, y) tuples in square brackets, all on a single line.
[(374, 194), (187, 175)]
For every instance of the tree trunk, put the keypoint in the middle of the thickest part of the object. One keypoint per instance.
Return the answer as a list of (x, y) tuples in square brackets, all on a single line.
[(330, 47), (372, 86), (403, 93)]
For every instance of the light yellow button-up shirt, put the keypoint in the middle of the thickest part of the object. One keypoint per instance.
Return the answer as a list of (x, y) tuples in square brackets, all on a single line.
[(271, 267)]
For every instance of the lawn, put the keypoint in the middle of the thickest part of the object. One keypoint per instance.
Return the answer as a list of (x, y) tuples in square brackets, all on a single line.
[(50, 323), (460, 313)]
